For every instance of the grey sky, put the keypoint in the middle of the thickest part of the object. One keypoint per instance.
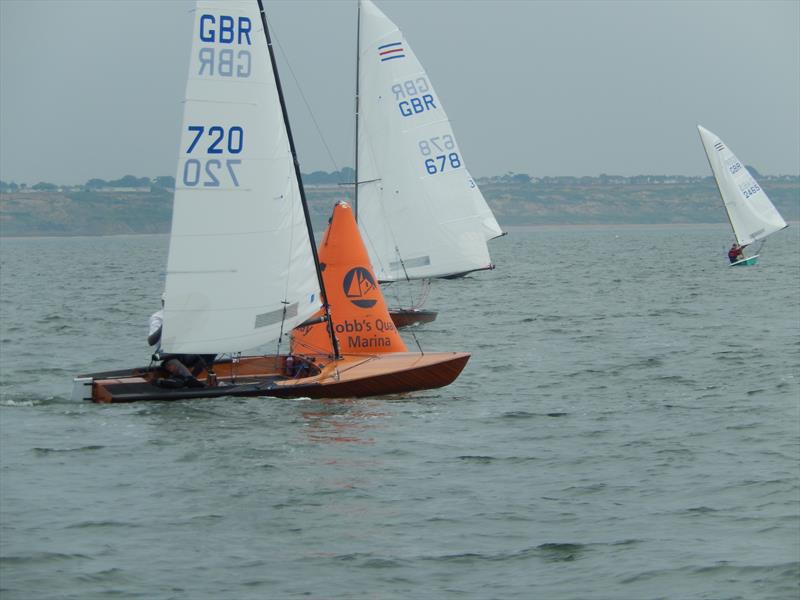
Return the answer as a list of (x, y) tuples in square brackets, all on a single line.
[(94, 89)]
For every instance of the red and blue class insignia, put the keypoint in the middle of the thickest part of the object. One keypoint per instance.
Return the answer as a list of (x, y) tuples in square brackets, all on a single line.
[(391, 51)]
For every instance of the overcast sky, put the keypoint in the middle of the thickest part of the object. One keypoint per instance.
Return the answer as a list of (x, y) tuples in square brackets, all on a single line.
[(94, 89)]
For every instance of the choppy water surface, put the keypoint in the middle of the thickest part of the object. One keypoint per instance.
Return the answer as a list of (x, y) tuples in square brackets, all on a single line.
[(627, 428)]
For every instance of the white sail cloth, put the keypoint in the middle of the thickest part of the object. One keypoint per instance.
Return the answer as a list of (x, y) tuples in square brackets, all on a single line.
[(419, 210), (752, 215), (240, 259)]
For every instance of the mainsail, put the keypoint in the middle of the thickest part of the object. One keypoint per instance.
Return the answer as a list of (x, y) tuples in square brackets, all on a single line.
[(419, 210), (752, 215), (240, 268)]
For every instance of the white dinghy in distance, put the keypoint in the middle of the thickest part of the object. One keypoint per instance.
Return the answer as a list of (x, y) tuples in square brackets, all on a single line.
[(420, 211), (750, 212)]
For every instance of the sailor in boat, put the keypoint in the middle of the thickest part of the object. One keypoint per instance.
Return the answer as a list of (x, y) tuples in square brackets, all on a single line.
[(289, 366), (736, 253), (176, 364), (296, 367)]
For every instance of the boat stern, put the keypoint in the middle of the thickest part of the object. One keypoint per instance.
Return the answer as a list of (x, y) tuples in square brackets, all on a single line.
[(82, 389)]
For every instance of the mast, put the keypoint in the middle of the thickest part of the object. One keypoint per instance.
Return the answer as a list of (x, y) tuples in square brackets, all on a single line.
[(358, 72), (303, 201)]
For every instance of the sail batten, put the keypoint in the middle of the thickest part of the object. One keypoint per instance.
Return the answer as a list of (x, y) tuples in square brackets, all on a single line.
[(415, 194), (752, 215)]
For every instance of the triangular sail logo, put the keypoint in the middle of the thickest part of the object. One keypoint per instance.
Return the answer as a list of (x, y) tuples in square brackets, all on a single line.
[(359, 286)]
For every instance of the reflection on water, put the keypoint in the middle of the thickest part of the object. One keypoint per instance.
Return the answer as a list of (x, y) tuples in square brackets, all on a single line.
[(343, 420)]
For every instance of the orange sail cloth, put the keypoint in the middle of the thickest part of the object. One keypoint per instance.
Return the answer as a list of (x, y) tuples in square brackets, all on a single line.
[(358, 311)]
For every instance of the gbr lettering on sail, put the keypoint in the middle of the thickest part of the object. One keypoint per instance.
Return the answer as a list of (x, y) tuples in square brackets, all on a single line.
[(228, 51), (223, 48), (439, 153)]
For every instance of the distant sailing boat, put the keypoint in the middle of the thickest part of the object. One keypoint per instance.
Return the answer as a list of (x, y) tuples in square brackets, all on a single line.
[(242, 266), (750, 212), (420, 212)]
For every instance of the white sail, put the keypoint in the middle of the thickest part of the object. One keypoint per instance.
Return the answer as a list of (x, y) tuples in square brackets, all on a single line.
[(239, 257), (416, 200), (752, 215)]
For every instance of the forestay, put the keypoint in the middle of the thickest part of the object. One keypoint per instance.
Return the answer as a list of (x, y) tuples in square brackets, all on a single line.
[(239, 257), (752, 215), (416, 200)]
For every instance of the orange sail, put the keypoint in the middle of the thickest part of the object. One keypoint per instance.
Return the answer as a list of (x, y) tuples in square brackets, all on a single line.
[(359, 315)]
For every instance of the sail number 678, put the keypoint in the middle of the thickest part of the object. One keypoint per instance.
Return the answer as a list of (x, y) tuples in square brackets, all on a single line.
[(439, 163)]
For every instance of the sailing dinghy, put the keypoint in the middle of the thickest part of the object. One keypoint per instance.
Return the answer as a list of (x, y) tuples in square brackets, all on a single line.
[(751, 214), (242, 267), (420, 211)]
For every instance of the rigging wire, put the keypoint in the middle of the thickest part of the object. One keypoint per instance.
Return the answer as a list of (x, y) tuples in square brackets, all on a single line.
[(425, 291), (305, 101), (310, 348), (423, 297), (285, 300), (388, 227)]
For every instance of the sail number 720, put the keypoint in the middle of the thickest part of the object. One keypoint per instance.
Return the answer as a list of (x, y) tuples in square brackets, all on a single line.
[(214, 140)]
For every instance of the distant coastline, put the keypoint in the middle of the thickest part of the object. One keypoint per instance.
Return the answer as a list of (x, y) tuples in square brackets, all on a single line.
[(137, 205)]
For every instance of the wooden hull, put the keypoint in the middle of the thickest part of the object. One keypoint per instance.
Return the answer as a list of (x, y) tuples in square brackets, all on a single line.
[(406, 317), (348, 377)]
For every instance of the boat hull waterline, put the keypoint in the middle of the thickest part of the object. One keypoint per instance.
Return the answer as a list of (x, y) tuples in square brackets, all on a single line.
[(746, 262), (350, 376)]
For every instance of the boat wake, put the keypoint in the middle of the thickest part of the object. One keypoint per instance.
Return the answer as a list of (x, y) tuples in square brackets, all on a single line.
[(27, 401)]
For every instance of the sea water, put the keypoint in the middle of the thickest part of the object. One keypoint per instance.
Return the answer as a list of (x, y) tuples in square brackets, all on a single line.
[(627, 427)]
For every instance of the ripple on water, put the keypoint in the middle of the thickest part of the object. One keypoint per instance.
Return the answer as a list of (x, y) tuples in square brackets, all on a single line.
[(42, 558), (46, 451), (103, 524)]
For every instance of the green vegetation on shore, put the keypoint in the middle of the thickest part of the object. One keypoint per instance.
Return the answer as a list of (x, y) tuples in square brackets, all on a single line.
[(133, 205)]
